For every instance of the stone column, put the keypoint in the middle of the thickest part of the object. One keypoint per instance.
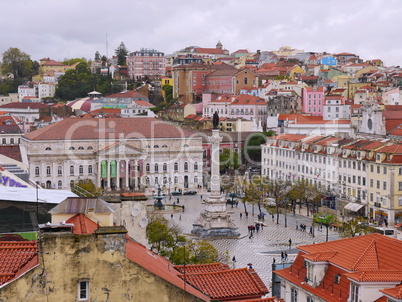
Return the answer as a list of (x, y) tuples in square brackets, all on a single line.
[(118, 184), (108, 175), (98, 173), (127, 175)]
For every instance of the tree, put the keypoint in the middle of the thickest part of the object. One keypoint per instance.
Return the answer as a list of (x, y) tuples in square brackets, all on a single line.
[(278, 190), (121, 53), (17, 63), (229, 159), (353, 227), (86, 188), (326, 220), (170, 243)]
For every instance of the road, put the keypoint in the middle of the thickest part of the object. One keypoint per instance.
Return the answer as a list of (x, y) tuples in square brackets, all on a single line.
[(264, 247)]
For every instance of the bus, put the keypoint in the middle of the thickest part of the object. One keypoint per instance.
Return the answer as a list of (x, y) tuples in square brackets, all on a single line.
[(383, 231)]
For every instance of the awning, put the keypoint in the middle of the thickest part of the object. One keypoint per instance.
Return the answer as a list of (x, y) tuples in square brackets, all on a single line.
[(352, 206)]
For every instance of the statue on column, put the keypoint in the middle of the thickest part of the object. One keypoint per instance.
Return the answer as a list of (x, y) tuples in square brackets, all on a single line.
[(215, 120)]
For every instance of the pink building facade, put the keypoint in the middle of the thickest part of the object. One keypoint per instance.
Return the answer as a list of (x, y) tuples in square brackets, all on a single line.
[(313, 100)]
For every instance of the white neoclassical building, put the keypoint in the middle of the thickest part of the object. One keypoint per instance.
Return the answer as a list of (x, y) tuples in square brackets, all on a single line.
[(115, 153)]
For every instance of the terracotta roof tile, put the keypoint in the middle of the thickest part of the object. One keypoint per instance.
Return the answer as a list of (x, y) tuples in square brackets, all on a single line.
[(236, 283), (376, 276), (20, 105), (395, 292), (202, 268), (16, 258), (82, 224), (11, 152), (94, 128)]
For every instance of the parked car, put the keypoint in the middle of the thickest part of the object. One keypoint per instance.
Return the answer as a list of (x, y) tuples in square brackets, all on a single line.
[(190, 192), (231, 201), (175, 193)]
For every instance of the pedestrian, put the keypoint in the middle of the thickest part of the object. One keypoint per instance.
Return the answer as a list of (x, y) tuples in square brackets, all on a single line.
[(290, 243), (241, 215), (311, 230), (246, 214), (262, 226), (171, 216), (251, 235), (178, 200), (180, 217), (201, 197), (286, 256), (183, 208), (234, 259), (282, 256), (273, 217), (257, 227), (249, 229)]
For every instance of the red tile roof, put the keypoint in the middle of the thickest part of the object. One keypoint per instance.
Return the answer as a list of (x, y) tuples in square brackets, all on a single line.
[(16, 258), (395, 292), (128, 94), (215, 51), (202, 268), (94, 128), (368, 258), (12, 152), (20, 105), (82, 224), (230, 284)]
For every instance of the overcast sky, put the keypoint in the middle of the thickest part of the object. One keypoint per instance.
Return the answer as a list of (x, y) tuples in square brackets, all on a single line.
[(61, 29)]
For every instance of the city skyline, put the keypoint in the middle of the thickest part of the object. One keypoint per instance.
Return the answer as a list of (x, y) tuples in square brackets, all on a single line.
[(79, 29)]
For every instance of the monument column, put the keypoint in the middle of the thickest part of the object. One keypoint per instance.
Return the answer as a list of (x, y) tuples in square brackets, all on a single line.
[(215, 221)]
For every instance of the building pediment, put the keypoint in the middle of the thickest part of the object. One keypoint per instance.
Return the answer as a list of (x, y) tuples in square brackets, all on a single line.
[(119, 149)]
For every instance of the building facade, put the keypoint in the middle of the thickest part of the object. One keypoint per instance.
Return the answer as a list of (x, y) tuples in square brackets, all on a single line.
[(145, 62), (139, 153)]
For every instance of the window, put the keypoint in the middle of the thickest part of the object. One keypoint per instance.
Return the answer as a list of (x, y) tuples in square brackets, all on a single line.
[(36, 171), (71, 170), (147, 168), (195, 179), (384, 170), (378, 169), (156, 168), (400, 186), (176, 167), (371, 182), (81, 170), (90, 148), (80, 148), (48, 171), (83, 290), (176, 180), (59, 171), (71, 148), (12, 141), (310, 299), (48, 149), (372, 168), (378, 184), (165, 167), (59, 184), (90, 171), (354, 292), (293, 295), (309, 268), (4, 141), (186, 167), (384, 185), (195, 166)]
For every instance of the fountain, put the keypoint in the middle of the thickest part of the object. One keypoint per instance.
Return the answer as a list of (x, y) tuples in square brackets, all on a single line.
[(158, 205)]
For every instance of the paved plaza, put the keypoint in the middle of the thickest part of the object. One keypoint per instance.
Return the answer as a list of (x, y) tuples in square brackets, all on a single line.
[(264, 247)]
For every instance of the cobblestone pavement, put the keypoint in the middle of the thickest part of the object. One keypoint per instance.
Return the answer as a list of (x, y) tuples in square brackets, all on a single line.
[(264, 247)]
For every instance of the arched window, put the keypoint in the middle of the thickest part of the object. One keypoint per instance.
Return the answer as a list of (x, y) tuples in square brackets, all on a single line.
[(48, 184), (176, 167), (156, 180), (185, 145), (147, 180), (48, 149), (59, 171), (71, 148), (80, 148), (81, 170), (90, 148), (59, 184), (36, 171), (164, 146), (195, 179), (186, 167), (71, 170), (147, 167), (165, 167), (195, 166), (176, 180), (156, 168), (156, 146), (48, 171), (90, 170)]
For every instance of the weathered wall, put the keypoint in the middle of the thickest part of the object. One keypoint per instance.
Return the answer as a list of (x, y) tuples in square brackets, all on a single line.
[(68, 258)]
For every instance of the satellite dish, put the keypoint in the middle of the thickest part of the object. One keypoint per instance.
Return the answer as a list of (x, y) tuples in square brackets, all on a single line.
[(143, 222), (135, 212)]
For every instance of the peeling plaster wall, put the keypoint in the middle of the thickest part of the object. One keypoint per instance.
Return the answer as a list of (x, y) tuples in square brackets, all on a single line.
[(100, 259)]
